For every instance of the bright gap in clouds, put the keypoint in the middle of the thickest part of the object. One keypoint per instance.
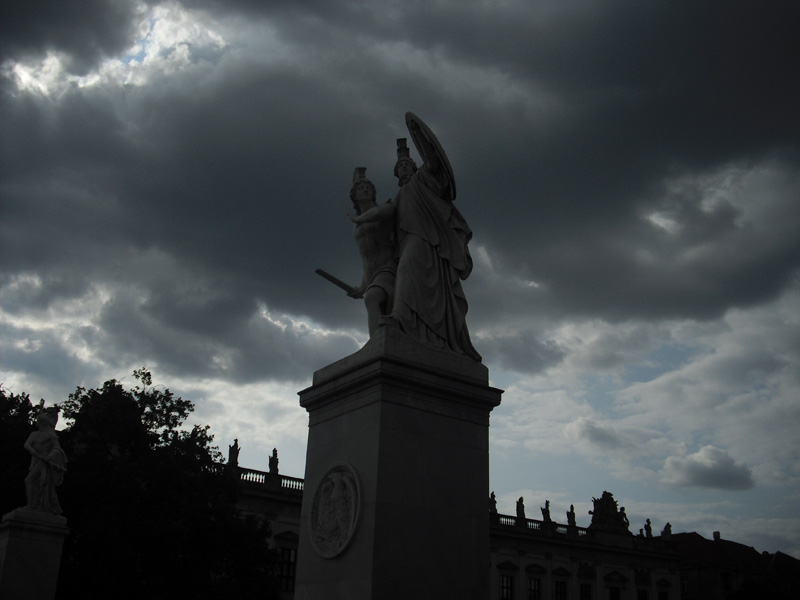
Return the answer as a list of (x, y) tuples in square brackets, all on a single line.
[(65, 336), (262, 416), (140, 49), (676, 405), (172, 39)]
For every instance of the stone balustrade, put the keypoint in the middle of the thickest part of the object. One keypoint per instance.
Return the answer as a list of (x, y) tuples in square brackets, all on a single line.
[(270, 479), (538, 527)]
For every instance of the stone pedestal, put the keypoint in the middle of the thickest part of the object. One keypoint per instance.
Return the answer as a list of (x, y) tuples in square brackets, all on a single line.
[(30, 554), (397, 475)]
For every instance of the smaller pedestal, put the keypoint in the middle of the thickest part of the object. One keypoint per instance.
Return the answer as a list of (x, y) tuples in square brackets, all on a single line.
[(30, 554)]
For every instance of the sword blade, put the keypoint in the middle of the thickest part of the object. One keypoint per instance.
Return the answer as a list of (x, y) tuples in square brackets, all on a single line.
[(335, 281)]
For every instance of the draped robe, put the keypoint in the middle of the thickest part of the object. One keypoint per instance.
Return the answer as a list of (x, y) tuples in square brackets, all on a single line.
[(433, 258)]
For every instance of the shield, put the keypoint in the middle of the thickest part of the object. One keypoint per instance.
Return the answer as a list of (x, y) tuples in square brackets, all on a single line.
[(417, 129)]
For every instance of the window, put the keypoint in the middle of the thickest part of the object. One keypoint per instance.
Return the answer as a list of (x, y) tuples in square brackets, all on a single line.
[(560, 590), (506, 587), (534, 589), (642, 595), (663, 594), (614, 593), (286, 569), (727, 583), (586, 591)]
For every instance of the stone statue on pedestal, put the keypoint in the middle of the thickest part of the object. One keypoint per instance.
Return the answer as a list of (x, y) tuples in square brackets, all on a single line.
[(48, 463), (414, 248), (233, 453), (546, 512), (432, 237), (31, 538), (273, 462), (666, 533)]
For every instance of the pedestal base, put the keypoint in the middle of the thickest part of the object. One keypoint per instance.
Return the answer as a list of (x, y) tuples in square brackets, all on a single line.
[(397, 475), (30, 554)]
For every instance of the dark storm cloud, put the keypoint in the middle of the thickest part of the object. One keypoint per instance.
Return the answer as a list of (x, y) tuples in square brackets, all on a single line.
[(710, 468), (85, 31), (647, 93), (238, 216), (187, 175), (35, 294), (238, 170), (677, 92), (521, 351), (28, 351), (597, 434), (213, 342)]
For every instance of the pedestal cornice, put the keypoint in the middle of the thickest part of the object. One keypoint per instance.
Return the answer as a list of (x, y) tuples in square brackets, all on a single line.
[(405, 372)]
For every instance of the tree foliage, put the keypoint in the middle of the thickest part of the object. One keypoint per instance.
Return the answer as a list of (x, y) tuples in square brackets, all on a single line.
[(150, 509), (17, 416)]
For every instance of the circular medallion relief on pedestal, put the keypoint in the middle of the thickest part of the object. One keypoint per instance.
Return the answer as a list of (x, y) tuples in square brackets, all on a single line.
[(334, 511)]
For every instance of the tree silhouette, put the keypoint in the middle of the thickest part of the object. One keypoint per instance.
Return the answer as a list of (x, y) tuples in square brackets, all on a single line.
[(17, 416), (150, 511)]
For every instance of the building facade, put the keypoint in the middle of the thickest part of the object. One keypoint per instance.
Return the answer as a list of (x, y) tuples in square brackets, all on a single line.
[(531, 559), (540, 559)]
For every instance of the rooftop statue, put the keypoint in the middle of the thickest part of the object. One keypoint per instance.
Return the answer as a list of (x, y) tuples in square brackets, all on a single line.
[(546, 512), (233, 453), (571, 516), (48, 463), (666, 533), (273, 462), (606, 516)]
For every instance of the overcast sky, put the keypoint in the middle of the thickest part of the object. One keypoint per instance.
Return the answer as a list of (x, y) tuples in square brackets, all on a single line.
[(173, 173)]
